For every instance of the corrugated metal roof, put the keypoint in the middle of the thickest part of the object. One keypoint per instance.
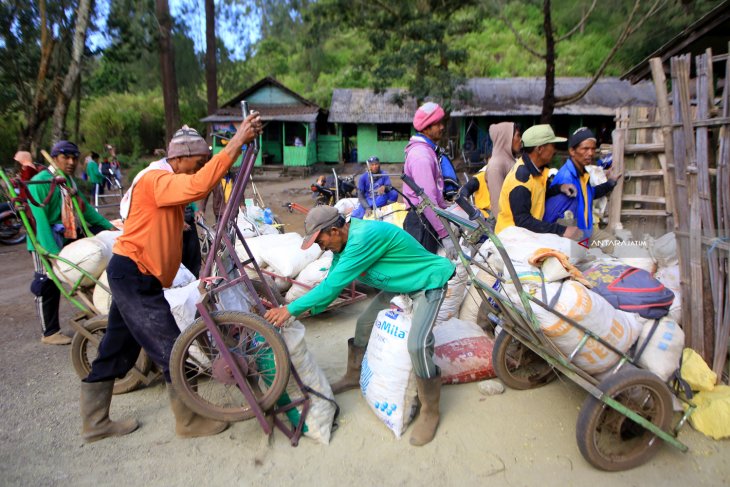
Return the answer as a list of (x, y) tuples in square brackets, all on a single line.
[(494, 97), (365, 106), (281, 113), (523, 96)]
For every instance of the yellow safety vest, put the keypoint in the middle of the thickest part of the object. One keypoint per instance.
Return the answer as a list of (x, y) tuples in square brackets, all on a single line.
[(481, 196), (526, 176)]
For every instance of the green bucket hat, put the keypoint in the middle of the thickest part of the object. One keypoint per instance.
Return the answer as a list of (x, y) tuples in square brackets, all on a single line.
[(540, 135)]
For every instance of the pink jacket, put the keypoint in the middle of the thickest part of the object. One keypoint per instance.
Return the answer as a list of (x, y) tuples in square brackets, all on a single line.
[(423, 166)]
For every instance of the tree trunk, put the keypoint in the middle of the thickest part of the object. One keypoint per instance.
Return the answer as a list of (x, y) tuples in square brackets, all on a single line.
[(63, 97), (37, 113), (211, 68), (167, 70), (548, 101)]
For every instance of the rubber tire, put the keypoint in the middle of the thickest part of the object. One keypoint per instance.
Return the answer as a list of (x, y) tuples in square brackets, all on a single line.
[(221, 413), (19, 237), (502, 368), (591, 412), (79, 357)]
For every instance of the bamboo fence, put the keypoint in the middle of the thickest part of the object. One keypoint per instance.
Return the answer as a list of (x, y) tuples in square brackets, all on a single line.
[(677, 161)]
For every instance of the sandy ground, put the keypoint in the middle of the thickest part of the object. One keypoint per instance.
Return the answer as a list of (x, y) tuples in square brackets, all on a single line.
[(518, 438)]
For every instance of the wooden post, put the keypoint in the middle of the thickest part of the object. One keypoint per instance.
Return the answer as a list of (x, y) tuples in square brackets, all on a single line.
[(665, 118), (619, 137), (681, 67)]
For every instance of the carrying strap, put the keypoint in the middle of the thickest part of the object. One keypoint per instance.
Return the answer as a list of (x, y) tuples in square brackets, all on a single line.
[(322, 396), (678, 383)]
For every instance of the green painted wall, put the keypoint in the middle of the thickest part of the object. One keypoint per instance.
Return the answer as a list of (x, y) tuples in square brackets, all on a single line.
[(368, 145), (271, 95), (329, 148)]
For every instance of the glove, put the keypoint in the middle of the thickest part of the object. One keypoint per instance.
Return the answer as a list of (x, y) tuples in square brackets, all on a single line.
[(449, 248)]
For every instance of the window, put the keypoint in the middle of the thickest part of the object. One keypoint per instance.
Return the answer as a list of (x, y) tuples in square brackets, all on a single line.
[(393, 132)]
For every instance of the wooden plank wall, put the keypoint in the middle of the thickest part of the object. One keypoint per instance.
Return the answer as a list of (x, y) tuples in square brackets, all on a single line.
[(676, 162)]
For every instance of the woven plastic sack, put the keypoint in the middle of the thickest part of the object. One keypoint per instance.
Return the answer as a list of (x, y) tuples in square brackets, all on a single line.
[(462, 351)]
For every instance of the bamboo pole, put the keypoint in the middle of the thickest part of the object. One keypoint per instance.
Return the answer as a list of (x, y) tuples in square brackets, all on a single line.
[(665, 118), (697, 337)]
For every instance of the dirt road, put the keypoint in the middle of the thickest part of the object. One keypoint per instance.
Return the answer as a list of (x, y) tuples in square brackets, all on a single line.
[(517, 439)]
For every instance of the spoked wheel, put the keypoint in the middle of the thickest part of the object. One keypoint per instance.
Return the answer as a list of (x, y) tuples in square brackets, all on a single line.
[(611, 441), (83, 352), (203, 378), (518, 366)]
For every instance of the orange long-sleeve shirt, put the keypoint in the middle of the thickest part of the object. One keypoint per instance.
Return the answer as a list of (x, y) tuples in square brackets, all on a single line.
[(153, 230)]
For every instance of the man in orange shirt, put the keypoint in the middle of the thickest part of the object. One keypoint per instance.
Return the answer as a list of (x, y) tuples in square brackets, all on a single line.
[(146, 259)]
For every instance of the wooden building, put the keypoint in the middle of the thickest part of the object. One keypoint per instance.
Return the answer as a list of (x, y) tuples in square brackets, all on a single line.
[(290, 124)]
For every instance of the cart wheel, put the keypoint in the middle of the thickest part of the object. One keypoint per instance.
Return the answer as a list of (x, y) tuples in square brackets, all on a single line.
[(259, 287), (611, 441), (204, 379), (517, 366), (83, 352)]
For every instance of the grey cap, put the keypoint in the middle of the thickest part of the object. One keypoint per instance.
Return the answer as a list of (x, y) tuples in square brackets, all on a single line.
[(318, 218), (187, 142)]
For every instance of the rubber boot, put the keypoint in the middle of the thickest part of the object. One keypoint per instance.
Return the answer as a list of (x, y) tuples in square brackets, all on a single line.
[(96, 397), (351, 379), (189, 424), (429, 393)]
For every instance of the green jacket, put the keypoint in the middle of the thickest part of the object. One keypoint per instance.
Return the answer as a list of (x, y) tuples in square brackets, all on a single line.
[(380, 255), (93, 173), (48, 216)]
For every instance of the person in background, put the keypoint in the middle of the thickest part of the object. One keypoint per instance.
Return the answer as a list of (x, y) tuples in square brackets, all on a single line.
[(145, 259), (56, 226), (106, 172), (298, 142), (28, 169), (487, 183), (381, 192), (522, 199), (381, 255), (507, 143), (95, 176), (423, 166), (582, 150), (191, 258)]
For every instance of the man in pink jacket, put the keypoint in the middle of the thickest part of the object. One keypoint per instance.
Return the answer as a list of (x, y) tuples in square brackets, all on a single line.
[(423, 165)]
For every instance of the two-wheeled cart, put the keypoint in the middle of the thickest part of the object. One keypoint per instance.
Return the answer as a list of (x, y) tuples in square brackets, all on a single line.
[(231, 364), (625, 415), (90, 323)]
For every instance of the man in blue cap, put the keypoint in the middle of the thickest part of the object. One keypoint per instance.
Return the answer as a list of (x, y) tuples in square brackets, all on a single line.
[(374, 190), (57, 225), (582, 150)]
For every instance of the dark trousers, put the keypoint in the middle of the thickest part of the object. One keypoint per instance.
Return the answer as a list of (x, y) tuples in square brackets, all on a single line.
[(139, 316), (421, 229), (191, 250), (47, 298)]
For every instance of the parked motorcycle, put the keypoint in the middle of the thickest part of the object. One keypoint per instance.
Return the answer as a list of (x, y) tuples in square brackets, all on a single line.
[(328, 190), (11, 228)]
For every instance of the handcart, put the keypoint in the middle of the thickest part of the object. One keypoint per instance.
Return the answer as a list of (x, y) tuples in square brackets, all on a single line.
[(89, 324), (231, 364), (625, 415)]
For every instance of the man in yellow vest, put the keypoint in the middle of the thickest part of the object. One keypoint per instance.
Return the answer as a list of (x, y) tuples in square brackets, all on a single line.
[(522, 199)]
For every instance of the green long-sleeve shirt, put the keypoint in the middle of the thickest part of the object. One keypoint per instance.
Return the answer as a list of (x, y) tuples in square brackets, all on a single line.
[(93, 173), (48, 216), (380, 255)]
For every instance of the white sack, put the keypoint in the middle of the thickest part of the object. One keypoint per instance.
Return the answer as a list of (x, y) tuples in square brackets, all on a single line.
[(257, 244), (346, 205), (291, 260), (102, 300), (321, 412), (182, 302), (462, 351), (635, 256), (183, 277), (670, 277), (664, 250), (311, 275), (455, 293), (469, 310), (387, 380), (90, 254), (664, 349)]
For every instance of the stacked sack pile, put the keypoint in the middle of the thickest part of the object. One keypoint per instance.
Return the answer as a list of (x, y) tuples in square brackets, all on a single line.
[(617, 297)]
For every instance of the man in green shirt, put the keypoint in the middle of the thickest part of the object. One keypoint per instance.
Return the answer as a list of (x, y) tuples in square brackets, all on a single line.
[(56, 225), (383, 256), (95, 176)]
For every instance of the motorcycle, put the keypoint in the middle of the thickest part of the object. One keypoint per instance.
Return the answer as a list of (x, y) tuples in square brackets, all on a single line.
[(11, 228), (328, 190)]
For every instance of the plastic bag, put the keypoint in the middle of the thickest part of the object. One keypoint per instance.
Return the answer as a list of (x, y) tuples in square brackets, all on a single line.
[(696, 372)]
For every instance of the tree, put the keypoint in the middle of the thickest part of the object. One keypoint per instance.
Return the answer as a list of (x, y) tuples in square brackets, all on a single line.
[(211, 81), (167, 69), (409, 41), (72, 78), (633, 22)]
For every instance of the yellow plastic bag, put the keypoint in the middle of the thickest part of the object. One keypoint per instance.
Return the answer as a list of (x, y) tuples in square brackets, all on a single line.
[(696, 372), (712, 416)]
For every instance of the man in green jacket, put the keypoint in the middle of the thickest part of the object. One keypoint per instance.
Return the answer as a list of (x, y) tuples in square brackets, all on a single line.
[(95, 176), (56, 225), (383, 256)]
